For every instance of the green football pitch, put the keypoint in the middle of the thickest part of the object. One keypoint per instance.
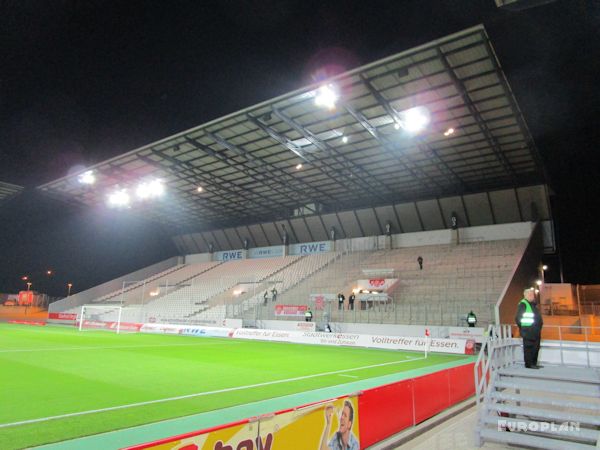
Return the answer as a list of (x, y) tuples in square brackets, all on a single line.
[(57, 383)]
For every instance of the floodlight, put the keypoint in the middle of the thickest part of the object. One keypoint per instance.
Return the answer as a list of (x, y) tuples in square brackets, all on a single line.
[(298, 166), (199, 189), (345, 139), (449, 131), (87, 177), (150, 189), (326, 96), (538, 282), (397, 126), (415, 119), (544, 267), (118, 198)]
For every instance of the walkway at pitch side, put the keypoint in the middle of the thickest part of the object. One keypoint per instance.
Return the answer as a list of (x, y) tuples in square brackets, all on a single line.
[(151, 432)]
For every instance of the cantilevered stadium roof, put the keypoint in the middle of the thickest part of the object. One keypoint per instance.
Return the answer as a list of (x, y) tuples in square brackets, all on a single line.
[(359, 153), (8, 191)]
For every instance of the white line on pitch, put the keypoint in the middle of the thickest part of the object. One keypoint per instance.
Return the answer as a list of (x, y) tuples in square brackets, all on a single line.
[(111, 347), (201, 394), (349, 376)]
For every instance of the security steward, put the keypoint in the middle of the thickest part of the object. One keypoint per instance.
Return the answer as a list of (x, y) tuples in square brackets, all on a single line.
[(308, 315), (471, 319), (529, 320)]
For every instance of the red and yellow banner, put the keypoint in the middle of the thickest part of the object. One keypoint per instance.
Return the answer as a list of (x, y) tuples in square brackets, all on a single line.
[(330, 423)]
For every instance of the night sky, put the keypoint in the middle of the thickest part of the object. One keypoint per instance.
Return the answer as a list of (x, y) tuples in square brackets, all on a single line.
[(82, 81)]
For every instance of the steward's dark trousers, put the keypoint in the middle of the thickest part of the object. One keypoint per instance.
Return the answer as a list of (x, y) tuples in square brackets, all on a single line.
[(531, 347)]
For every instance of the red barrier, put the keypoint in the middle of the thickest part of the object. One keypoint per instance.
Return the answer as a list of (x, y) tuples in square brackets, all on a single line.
[(28, 322), (432, 395), (389, 408), (462, 381)]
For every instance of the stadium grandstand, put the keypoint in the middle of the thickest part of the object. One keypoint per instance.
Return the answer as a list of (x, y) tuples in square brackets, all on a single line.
[(411, 184)]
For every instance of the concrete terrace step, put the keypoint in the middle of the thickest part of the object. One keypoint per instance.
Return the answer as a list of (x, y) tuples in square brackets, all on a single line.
[(548, 386), (570, 374), (582, 434), (558, 402), (526, 440), (544, 414)]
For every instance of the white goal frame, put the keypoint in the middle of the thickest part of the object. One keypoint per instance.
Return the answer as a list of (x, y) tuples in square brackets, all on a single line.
[(116, 316)]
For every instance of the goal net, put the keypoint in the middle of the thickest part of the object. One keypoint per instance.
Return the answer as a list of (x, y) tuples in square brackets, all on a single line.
[(120, 319)]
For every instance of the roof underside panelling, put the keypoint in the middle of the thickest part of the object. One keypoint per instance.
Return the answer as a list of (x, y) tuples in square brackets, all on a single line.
[(353, 156), (505, 205), (409, 218), (487, 208)]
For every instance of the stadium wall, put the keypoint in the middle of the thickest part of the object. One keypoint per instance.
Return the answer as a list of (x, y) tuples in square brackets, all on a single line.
[(519, 230), (524, 274)]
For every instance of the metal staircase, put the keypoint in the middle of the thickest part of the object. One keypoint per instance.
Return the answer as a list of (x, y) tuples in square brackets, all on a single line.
[(555, 407)]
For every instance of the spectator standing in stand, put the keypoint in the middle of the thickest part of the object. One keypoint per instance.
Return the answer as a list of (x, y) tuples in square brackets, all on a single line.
[(341, 299), (265, 297), (274, 294), (351, 299), (420, 261)]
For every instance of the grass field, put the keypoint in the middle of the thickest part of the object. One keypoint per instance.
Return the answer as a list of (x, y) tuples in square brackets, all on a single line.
[(57, 383)]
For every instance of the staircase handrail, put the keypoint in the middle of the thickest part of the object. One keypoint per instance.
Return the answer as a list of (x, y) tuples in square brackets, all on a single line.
[(497, 351)]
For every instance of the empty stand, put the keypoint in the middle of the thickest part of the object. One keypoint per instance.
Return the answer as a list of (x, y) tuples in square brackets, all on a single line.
[(455, 279), (202, 298)]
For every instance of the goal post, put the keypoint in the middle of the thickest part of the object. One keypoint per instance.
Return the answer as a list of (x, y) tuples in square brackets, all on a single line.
[(109, 317)]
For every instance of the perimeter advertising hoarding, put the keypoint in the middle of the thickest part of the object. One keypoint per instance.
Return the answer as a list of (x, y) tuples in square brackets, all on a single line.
[(186, 330), (466, 333), (266, 252), (62, 316), (301, 429), (290, 310), (456, 346), (310, 248)]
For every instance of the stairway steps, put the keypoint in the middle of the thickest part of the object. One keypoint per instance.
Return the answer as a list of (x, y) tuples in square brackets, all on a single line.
[(545, 414), (561, 402), (527, 440), (583, 434), (549, 386), (580, 375)]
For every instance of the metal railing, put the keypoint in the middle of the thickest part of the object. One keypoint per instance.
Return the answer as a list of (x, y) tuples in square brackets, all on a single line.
[(575, 345), (499, 350)]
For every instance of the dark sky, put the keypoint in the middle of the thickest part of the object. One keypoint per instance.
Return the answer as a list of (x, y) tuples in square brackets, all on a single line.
[(81, 81)]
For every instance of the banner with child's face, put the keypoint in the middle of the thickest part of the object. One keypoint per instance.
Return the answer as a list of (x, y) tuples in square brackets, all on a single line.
[(334, 422)]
